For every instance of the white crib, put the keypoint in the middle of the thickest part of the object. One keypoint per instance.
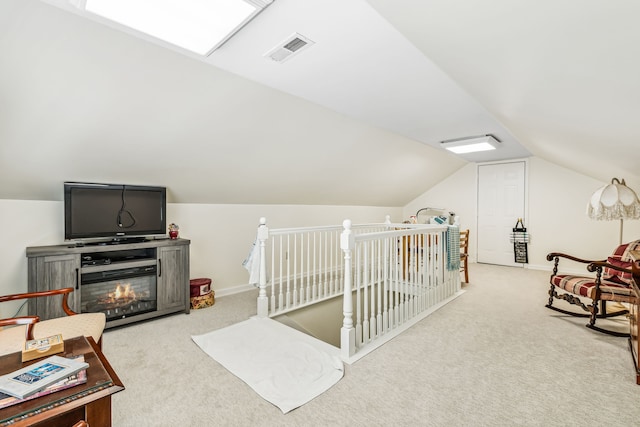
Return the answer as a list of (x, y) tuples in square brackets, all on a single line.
[(389, 275)]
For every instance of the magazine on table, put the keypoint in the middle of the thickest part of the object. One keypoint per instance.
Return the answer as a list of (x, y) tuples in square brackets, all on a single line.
[(71, 381), (40, 375)]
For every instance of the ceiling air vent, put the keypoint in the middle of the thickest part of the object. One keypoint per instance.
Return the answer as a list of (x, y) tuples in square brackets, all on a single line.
[(293, 45)]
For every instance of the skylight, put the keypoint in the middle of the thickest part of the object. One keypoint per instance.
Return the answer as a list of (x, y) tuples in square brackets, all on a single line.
[(199, 26)]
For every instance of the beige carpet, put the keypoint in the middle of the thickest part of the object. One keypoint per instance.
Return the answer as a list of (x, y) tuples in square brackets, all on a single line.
[(493, 357)]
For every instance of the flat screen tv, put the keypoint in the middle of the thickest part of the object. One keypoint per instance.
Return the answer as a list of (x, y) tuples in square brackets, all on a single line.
[(113, 211)]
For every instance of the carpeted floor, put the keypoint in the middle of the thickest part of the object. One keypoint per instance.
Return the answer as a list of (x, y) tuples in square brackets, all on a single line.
[(493, 357)]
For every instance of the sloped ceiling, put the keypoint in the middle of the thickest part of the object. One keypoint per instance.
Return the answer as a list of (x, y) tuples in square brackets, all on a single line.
[(561, 75), (356, 119)]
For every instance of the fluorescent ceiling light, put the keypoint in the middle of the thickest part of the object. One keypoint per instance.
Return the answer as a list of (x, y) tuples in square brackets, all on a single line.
[(199, 26), (471, 145)]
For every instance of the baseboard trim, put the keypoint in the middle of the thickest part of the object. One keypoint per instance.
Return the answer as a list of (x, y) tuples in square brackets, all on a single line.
[(574, 271), (234, 290)]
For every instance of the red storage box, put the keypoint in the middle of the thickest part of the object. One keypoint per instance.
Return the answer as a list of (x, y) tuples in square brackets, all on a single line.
[(199, 287)]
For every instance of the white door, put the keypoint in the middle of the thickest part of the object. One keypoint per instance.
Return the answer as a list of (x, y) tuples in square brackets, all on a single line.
[(501, 201)]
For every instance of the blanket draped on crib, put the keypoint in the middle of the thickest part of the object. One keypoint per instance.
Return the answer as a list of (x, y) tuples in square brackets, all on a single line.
[(453, 248)]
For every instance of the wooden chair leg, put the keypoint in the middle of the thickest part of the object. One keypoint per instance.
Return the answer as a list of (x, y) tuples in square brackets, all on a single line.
[(594, 314), (466, 270), (604, 314)]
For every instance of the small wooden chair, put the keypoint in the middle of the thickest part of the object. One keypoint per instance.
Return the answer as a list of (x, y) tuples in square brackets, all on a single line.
[(464, 254), (15, 331), (23, 320)]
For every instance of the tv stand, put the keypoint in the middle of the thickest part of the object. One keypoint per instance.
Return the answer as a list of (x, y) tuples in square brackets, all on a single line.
[(62, 266)]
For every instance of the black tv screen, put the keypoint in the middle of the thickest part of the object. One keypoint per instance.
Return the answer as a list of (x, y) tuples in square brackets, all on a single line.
[(113, 211)]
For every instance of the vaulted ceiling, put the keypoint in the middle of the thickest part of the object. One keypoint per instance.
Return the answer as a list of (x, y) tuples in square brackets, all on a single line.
[(355, 119)]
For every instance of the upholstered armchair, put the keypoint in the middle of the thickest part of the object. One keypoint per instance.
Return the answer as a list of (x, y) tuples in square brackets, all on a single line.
[(603, 281), (16, 330)]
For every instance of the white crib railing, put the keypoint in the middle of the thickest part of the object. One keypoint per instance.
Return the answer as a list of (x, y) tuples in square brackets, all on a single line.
[(389, 275)]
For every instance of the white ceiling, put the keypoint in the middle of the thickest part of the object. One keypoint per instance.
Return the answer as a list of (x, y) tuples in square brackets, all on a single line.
[(562, 75), (363, 67), (357, 118)]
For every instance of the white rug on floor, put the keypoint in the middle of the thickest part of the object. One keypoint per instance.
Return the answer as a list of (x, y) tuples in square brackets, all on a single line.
[(286, 367)]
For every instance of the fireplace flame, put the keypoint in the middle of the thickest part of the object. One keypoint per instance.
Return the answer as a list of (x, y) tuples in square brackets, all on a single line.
[(123, 292)]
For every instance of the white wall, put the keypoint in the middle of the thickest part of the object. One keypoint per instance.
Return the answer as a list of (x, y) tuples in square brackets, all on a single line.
[(24, 223), (556, 218), (558, 221), (456, 193), (221, 235)]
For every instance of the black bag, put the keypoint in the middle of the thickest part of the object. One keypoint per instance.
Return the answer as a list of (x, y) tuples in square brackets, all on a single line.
[(521, 229)]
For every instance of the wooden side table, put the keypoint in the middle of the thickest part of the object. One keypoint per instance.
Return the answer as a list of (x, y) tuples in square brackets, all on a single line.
[(634, 312), (90, 402)]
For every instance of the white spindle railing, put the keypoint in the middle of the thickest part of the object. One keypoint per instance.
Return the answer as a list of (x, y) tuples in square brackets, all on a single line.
[(302, 266), (389, 275), (396, 277)]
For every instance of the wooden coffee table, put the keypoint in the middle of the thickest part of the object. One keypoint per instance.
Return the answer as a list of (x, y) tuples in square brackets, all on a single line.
[(90, 401)]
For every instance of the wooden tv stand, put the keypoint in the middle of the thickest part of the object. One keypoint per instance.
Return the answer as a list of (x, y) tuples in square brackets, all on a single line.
[(61, 266)]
